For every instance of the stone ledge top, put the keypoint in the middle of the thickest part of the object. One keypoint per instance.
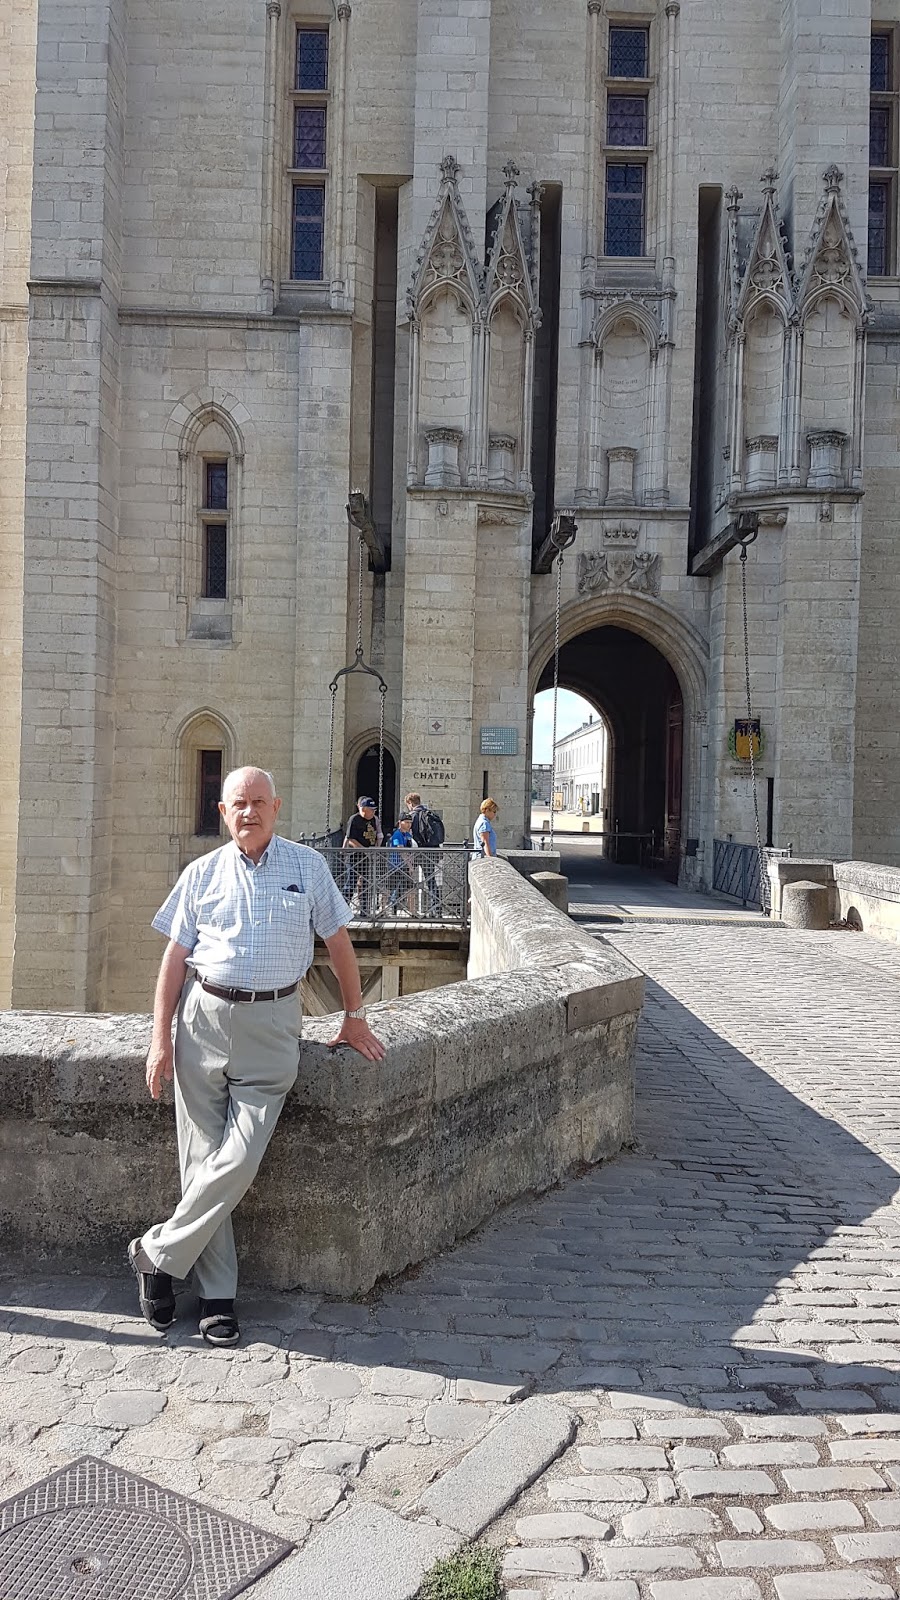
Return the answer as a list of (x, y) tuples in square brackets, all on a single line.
[(868, 877)]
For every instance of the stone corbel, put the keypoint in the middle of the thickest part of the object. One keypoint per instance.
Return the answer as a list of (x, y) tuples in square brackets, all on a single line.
[(826, 448), (762, 458), (502, 469), (444, 445)]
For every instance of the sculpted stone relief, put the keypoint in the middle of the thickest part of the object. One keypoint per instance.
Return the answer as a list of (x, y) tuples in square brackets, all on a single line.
[(605, 570)]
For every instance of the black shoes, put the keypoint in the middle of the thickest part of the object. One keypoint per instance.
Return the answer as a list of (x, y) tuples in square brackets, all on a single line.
[(218, 1323), (155, 1292)]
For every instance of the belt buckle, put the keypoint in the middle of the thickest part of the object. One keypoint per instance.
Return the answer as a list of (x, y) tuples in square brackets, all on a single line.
[(252, 993)]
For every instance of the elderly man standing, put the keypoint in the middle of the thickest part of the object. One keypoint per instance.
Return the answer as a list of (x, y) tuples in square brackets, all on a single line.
[(240, 923)]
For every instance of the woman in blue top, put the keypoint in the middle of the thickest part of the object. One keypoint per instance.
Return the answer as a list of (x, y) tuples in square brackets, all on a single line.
[(485, 837)]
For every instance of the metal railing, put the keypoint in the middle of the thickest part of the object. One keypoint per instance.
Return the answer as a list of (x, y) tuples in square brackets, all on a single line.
[(393, 885), (736, 871)]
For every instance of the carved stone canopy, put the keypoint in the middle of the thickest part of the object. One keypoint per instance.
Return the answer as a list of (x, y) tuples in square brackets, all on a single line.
[(449, 255), (830, 261)]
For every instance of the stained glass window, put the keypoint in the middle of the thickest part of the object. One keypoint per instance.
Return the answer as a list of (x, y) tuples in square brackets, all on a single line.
[(626, 119), (879, 227), (215, 561), (209, 789), (880, 72), (312, 60), (309, 138), (624, 210), (308, 232), (879, 136), (629, 52), (216, 495)]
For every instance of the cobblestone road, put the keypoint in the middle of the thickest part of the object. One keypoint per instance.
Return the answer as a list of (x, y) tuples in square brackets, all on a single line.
[(719, 1312)]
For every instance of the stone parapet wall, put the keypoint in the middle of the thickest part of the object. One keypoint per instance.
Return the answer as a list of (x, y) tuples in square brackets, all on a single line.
[(869, 897), (864, 894), (491, 1089)]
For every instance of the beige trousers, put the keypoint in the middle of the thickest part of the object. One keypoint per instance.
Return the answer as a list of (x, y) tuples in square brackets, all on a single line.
[(234, 1066)]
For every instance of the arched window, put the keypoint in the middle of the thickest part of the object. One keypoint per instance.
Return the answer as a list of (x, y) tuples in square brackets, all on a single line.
[(205, 752), (211, 455)]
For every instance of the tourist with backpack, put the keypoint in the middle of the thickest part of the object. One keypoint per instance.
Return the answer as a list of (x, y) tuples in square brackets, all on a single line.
[(428, 833)]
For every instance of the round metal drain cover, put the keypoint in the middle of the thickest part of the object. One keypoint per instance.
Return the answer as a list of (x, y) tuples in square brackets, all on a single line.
[(96, 1553), (92, 1531)]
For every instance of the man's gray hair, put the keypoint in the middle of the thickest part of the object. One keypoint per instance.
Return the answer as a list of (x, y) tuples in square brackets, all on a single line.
[(248, 768)]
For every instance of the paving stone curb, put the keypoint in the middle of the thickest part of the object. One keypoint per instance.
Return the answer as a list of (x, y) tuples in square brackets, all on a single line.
[(493, 1474), (369, 1553)]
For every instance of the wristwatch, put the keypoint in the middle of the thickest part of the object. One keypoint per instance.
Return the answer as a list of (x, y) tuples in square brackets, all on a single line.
[(359, 1014)]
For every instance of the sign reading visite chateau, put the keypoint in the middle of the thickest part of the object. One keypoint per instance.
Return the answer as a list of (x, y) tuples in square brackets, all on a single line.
[(437, 772)]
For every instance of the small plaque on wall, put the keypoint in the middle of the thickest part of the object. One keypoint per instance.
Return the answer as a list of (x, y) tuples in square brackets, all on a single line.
[(499, 741)]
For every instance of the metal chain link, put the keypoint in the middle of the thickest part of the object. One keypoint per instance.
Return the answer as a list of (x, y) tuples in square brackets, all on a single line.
[(383, 693), (763, 874), (359, 587), (559, 567), (334, 690)]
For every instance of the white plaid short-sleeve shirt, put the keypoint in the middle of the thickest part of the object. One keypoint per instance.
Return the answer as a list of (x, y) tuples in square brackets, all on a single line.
[(253, 927)]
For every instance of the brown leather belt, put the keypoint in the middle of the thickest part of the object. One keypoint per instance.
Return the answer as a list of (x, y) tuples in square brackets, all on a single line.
[(245, 996)]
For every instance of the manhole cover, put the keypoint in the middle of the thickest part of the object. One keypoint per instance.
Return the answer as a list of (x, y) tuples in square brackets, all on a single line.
[(94, 1532)]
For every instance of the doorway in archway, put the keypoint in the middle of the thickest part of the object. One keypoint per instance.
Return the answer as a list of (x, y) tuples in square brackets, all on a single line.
[(635, 688), (367, 783)]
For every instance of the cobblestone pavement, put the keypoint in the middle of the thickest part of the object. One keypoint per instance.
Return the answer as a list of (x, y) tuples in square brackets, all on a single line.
[(711, 1325)]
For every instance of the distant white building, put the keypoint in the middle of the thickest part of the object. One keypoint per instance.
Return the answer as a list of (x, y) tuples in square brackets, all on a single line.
[(582, 768), (541, 775)]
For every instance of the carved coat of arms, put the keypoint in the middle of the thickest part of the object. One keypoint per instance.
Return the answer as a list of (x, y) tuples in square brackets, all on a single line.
[(609, 570)]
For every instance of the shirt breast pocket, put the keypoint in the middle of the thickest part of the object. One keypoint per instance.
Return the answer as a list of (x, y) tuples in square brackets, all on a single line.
[(292, 908)]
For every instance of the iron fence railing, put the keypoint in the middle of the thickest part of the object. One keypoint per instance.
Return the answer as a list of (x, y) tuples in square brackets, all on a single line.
[(736, 871), (383, 884)]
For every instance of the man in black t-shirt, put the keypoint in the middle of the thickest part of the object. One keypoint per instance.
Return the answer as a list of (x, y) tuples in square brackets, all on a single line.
[(361, 835)]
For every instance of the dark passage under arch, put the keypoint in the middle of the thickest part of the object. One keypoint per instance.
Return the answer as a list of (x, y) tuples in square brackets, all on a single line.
[(634, 686), (367, 783)]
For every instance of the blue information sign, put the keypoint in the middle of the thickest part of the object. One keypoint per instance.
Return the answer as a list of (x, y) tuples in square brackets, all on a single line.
[(499, 741)]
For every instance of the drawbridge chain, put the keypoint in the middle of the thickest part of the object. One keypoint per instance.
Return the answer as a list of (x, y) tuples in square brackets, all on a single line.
[(745, 540)]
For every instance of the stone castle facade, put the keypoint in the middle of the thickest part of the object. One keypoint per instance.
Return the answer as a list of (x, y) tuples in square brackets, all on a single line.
[(473, 262)]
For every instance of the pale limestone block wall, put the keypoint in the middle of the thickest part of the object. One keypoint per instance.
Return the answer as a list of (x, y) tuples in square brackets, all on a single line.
[(731, 811), (194, 155), (823, 107), (439, 655), (71, 510), (500, 679), (18, 39), (164, 677), (816, 669), (322, 618), (876, 813), (453, 66)]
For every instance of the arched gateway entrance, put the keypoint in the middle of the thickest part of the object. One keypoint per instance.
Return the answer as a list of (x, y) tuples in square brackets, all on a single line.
[(644, 670)]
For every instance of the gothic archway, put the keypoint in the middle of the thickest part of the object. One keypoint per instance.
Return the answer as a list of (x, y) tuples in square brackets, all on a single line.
[(646, 668)]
